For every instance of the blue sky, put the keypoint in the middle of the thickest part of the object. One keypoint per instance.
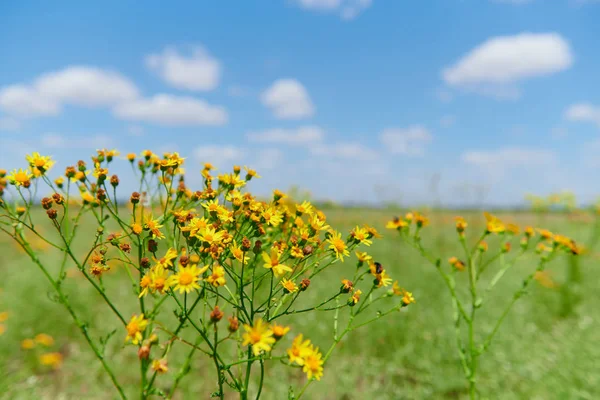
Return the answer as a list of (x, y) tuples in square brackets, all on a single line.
[(353, 100)]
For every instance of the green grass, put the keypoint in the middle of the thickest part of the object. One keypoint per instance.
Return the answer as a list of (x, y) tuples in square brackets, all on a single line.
[(537, 354)]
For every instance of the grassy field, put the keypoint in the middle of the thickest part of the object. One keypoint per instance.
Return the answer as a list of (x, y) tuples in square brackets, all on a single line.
[(538, 354)]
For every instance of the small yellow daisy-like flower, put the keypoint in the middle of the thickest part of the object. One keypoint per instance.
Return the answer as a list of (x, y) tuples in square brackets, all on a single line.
[(160, 366), (299, 350), (21, 177), (145, 283), (545, 234), (167, 260), (494, 224), (361, 235), (27, 344), (210, 235), (355, 298), (279, 330), (272, 262), (456, 263), (288, 286), (461, 224), (135, 327), (44, 339), (297, 252), (363, 256), (153, 225), (160, 280), (53, 360), (137, 228), (238, 253), (407, 298), (250, 173), (217, 278), (186, 278), (313, 364), (39, 164), (3, 316), (272, 216), (304, 208), (337, 244), (396, 223), (259, 336)]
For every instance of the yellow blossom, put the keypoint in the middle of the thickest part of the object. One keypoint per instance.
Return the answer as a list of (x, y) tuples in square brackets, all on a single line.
[(135, 327), (259, 336)]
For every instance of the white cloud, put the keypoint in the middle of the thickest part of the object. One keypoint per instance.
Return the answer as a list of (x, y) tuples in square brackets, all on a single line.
[(171, 110), (58, 141), (288, 99), (198, 71), (220, 156), (509, 157), (304, 136), (86, 86), (346, 150), (584, 112), (347, 9), (23, 101), (267, 159), (9, 124), (77, 85), (495, 66), (409, 141)]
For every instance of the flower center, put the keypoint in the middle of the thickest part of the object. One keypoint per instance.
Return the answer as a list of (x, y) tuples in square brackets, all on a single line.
[(185, 278)]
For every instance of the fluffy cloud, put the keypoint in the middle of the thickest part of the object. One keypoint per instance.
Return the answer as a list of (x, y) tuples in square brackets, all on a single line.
[(409, 141), (347, 9), (509, 157), (497, 64), (171, 110), (303, 136), (288, 99), (345, 150), (77, 85), (584, 112), (225, 156), (58, 141), (199, 71)]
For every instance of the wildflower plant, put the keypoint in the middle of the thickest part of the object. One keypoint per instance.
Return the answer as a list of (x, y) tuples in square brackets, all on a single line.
[(485, 267), (233, 269)]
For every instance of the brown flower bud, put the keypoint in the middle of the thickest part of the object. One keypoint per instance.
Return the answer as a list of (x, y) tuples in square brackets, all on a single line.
[(52, 214), (152, 246), (46, 203), (125, 247), (58, 198), (246, 244), (101, 194), (184, 260), (114, 180), (144, 352), (135, 198), (144, 262), (70, 172), (307, 250), (257, 247), (81, 165), (304, 284), (234, 324), (216, 314)]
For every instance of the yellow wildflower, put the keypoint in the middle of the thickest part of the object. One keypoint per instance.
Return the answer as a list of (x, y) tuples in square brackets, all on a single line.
[(135, 327), (259, 336)]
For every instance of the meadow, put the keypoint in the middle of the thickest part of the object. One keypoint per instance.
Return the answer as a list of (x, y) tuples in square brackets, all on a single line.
[(538, 353)]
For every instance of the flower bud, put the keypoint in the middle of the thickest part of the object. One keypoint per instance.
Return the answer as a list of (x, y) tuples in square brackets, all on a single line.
[(144, 352), (144, 262), (304, 284), (234, 324), (114, 181), (135, 198), (216, 314), (52, 214), (152, 246), (46, 203)]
